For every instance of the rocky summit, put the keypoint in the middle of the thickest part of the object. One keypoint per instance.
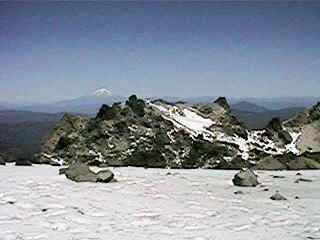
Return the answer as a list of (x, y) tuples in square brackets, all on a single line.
[(161, 134)]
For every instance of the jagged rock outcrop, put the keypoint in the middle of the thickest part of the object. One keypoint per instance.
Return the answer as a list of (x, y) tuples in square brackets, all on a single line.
[(307, 126), (222, 101), (161, 134), (275, 130), (144, 135), (65, 132)]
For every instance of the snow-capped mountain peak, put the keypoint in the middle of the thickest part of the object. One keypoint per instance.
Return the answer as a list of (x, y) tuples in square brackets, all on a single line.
[(102, 92)]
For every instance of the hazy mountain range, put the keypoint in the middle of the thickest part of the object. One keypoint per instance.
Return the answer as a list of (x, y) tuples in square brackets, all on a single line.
[(22, 127), (91, 103)]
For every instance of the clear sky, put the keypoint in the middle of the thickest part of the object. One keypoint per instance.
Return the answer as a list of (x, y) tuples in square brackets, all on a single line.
[(60, 50)]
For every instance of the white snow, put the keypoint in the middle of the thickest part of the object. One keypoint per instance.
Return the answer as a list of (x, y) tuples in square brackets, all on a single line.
[(54, 159), (102, 92), (185, 118), (292, 147), (37, 203)]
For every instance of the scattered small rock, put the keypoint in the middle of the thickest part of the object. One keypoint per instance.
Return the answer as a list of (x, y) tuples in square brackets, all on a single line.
[(302, 180), (238, 192), (79, 211), (44, 209), (278, 197), (298, 174), (266, 189), (11, 202), (245, 178), (276, 176), (296, 197)]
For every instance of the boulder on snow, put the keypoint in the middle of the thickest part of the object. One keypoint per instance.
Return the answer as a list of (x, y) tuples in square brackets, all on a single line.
[(245, 178), (278, 197), (80, 172)]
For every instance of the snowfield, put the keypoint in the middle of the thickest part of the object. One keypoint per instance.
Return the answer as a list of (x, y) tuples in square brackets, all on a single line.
[(37, 203), (186, 118)]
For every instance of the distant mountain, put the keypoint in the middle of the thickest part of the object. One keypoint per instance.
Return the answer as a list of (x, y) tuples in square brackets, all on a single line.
[(278, 103), (91, 103), (275, 103), (13, 117), (248, 107), (259, 120), (86, 104)]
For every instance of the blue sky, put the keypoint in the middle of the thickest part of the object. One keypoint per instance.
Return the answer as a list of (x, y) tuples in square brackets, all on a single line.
[(60, 50)]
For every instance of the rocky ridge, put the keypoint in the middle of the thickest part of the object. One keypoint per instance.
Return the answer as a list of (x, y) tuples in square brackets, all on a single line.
[(176, 135)]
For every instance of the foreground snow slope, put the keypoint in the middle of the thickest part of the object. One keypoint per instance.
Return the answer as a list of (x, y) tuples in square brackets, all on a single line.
[(36, 203)]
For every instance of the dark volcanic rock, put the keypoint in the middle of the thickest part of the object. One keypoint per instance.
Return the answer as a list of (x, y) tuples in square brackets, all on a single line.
[(302, 180), (69, 124), (80, 172), (275, 125), (137, 105), (245, 178), (278, 197), (107, 113), (285, 136), (2, 161), (222, 101), (176, 135), (62, 171), (270, 163), (23, 162), (239, 192), (300, 163), (277, 176)]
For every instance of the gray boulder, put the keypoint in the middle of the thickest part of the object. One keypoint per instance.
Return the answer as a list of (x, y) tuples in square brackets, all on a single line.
[(245, 178), (80, 172), (278, 197)]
